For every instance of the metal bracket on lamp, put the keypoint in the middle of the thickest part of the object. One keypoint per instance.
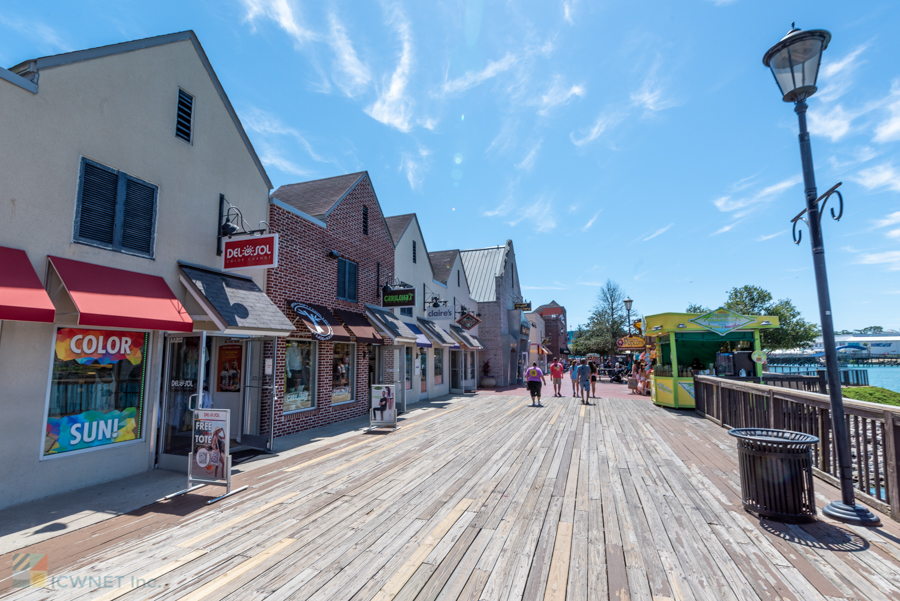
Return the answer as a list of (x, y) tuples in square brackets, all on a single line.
[(232, 223), (798, 234)]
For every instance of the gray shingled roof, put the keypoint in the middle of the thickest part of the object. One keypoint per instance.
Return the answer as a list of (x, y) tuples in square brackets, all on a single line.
[(398, 224), (482, 266), (391, 323), (442, 263), (318, 197), (237, 301)]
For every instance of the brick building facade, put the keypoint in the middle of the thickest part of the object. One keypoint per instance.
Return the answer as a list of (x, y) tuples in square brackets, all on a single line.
[(554, 316), (322, 223)]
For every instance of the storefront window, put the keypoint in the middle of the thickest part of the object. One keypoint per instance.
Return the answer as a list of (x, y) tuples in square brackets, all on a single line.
[(471, 375), (299, 375), (409, 366), (343, 377), (96, 389), (438, 366)]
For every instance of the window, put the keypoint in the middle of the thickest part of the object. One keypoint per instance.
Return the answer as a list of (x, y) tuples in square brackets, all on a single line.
[(438, 365), (346, 280), (471, 365), (299, 376), (184, 118), (365, 220), (343, 376), (408, 370), (414, 251), (406, 311), (115, 210), (96, 389)]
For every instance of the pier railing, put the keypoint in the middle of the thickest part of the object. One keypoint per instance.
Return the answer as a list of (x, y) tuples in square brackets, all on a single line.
[(874, 431)]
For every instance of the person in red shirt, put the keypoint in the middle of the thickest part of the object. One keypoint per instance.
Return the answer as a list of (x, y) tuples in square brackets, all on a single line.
[(556, 374)]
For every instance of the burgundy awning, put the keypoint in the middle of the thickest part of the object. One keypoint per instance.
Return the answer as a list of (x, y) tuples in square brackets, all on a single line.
[(22, 297)]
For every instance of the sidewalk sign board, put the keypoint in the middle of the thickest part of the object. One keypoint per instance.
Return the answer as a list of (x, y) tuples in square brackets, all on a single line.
[(209, 463), (383, 408)]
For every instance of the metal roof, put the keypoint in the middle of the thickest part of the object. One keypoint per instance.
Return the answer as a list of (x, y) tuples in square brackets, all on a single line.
[(482, 266)]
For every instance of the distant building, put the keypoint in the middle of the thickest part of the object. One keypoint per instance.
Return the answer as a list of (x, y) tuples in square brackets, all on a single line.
[(537, 349), (494, 283), (554, 316)]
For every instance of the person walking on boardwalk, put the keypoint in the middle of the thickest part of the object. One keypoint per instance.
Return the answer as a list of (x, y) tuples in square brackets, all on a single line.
[(556, 374), (573, 373), (534, 377), (584, 381)]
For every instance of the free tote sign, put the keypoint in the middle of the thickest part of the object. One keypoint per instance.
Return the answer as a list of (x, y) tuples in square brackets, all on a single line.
[(255, 251)]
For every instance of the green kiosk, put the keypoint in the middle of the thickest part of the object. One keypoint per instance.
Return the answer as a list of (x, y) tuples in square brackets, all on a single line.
[(720, 342)]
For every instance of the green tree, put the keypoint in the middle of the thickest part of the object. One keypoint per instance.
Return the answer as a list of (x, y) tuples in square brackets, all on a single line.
[(870, 330), (697, 308), (607, 322), (795, 332)]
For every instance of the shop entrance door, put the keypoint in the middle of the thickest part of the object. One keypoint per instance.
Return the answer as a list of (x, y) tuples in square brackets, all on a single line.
[(253, 434), (456, 371), (183, 392)]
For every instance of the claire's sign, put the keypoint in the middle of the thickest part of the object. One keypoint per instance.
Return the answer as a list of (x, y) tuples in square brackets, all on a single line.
[(398, 297), (255, 251)]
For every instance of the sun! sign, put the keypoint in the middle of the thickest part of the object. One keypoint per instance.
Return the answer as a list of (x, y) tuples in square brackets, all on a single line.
[(721, 321)]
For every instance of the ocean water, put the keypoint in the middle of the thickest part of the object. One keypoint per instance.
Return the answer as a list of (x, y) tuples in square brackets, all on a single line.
[(883, 377)]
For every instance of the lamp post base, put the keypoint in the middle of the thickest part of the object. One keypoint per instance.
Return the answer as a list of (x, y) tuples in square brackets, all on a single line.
[(857, 514)]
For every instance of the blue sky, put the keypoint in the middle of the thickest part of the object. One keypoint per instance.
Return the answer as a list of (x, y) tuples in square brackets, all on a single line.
[(638, 141)]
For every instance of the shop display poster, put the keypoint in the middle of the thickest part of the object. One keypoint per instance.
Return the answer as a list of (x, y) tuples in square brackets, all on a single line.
[(383, 410), (102, 372), (210, 444), (229, 368)]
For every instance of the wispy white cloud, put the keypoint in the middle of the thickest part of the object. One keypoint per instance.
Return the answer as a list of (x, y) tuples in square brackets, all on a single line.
[(658, 232), (508, 203), (765, 237), (540, 214), (559, 94), (890, 219), (569, 11), (741, 206), (726, 228), (282, 12), (879, 176), (474, 78), (889, 129), (893, 234), (652, 94), (604, 122), (837, 75), (274, 157), (861, 155), (528, 162), (834, 122), (46, 37), (889, 258), (268, 125), (591, 221), (637, 278), (393, 106), (351, 75), (558, 286), (414, 167)]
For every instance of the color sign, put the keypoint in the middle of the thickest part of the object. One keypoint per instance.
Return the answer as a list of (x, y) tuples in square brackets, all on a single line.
[(721, 321), (630, 343), (229, 368), (400, 297), (253, 251), (209, 456), (103, 347), (90, 429), (468, 321), (522, 306)]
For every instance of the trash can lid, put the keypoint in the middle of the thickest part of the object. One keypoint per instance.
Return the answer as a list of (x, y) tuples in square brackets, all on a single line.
[(769, 435)]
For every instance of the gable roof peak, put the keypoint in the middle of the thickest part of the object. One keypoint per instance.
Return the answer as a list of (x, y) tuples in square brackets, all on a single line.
[(319, 197)]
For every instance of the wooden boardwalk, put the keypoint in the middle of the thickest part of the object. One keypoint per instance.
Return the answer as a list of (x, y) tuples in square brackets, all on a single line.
[(486, 498)]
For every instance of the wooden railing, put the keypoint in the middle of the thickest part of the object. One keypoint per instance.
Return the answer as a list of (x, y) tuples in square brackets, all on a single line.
[(874, 431)]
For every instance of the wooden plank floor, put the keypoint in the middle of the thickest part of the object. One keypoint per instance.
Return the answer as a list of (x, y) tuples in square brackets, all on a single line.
[(486, 498)]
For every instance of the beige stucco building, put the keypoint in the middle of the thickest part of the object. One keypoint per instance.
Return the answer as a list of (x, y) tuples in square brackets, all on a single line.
[(114, 163)]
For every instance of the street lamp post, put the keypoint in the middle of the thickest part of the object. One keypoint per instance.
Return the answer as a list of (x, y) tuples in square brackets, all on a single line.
[(628, 302), (794, 62)]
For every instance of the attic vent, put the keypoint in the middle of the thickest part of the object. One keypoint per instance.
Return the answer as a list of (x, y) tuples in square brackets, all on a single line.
[(184, 120), (414, 251), (365, 220)]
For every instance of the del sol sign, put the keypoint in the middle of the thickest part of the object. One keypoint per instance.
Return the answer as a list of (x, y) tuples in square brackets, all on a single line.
[(398, 297), (255, 251)]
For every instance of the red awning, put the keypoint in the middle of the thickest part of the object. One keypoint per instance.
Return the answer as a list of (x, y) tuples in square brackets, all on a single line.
[(116, 298), (22, 297), (360, 326)]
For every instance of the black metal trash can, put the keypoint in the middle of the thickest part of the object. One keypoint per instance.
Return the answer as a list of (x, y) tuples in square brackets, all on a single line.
[(776, 473)]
